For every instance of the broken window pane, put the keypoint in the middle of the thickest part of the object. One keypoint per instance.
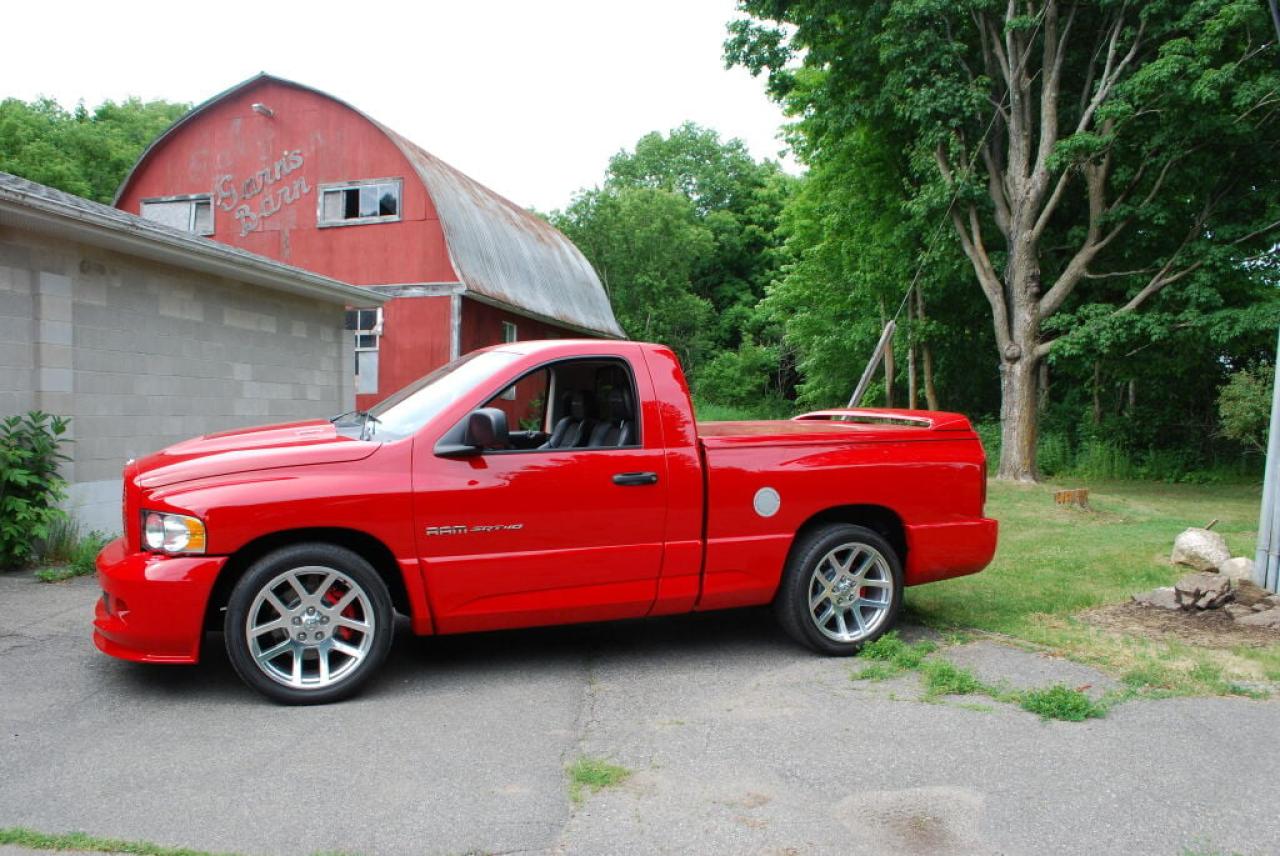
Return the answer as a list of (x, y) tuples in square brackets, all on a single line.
[(369, 200), (332, 206), (360, 201)]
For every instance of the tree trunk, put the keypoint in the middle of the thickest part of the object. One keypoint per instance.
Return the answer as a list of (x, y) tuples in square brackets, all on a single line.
[(930, 391), (1042, 404), (1018, 422), (912, 394), (888, 361)]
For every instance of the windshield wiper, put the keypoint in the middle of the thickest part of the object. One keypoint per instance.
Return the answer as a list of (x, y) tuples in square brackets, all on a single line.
[(367, 421)]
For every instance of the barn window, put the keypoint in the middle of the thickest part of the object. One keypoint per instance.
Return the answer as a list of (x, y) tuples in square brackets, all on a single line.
[(192, 214), (366, 327), (509, 335), (372, 201)]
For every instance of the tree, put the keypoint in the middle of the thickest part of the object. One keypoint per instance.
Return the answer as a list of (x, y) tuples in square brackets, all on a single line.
[(81, 152), (646, 244), (684, 234), (1091, 158), (737, 198)]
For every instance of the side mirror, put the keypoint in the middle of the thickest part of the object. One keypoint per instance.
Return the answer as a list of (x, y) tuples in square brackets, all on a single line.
[(486, 428)]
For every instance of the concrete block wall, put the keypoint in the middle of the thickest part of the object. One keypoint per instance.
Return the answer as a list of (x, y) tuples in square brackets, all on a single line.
[(142, 355)]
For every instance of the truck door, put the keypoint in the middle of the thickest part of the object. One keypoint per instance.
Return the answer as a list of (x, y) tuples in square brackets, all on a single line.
[(566, 524)]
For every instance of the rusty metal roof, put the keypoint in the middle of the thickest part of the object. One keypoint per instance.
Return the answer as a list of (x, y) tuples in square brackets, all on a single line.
[(501, 253), (505, 253)]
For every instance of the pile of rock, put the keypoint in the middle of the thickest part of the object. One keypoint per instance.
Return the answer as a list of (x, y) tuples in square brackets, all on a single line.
[(1217, 581)]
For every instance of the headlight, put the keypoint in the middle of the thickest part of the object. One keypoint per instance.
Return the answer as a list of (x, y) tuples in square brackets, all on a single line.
[(172, 533)]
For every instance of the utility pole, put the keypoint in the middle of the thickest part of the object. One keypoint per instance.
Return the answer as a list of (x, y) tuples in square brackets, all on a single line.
[(1266, 563)]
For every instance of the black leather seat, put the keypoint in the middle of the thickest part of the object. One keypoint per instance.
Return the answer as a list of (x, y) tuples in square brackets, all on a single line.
[(618, 428), (574, 428)]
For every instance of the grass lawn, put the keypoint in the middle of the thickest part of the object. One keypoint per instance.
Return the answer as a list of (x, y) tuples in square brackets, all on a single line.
[(1055, 561)]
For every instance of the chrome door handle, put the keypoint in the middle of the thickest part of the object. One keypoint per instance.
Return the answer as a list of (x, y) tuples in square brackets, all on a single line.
[(634, 479)]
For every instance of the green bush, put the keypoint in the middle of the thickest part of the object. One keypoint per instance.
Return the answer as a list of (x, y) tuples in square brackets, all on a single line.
[(1244, 406), (743, 378), (30, 487)]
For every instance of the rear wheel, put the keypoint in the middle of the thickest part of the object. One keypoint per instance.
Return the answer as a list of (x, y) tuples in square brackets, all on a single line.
[(308, 624), (841, 589)]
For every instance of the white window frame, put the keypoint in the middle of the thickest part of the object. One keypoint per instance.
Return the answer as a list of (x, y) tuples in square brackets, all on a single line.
[(371, 385), (193, 198), (322, 223), (510, 333)]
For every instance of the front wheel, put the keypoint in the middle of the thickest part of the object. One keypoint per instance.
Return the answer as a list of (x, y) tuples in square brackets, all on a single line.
[(841, 589), (308, 624)]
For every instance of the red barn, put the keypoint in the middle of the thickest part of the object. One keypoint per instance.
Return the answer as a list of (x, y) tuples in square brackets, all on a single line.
[(288, 172)]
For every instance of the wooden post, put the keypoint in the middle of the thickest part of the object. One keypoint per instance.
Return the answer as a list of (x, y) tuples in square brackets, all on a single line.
[(1266, 563)]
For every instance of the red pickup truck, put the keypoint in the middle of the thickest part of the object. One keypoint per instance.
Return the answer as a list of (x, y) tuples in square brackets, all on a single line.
[(531, 483)]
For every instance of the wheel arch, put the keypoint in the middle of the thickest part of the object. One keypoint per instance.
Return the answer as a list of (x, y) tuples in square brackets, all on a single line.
[(371, 549), (878, 518)]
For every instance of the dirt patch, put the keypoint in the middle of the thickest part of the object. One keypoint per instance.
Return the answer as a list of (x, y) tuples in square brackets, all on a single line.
[(1210, 628)]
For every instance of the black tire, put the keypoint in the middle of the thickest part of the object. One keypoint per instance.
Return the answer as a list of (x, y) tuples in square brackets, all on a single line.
[(334, 631), (874, 602)]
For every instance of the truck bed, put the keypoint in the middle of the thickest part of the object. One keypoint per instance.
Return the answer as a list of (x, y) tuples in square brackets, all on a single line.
[(864, 425)]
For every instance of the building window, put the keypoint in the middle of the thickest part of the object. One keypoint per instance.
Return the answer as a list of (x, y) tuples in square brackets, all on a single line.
[(192, 214), (509, 335), (366, 326), (355, 202)]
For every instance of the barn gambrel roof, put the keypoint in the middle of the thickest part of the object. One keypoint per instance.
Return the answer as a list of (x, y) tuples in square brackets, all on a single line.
[(500, 252)]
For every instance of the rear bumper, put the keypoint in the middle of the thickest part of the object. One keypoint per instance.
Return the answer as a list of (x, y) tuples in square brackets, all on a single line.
[(945, 550), (152, 608)]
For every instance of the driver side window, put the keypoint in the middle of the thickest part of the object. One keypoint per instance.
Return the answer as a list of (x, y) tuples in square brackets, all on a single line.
[(573, 404)]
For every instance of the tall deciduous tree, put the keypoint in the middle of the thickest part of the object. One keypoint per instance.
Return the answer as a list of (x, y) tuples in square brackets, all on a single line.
[(1091, 158), (84, 152)]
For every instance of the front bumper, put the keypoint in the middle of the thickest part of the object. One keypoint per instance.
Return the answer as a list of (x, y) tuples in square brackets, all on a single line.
[(152, 608)]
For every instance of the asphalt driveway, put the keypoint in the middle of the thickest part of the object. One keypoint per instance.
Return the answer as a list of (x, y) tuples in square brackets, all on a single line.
[(739, 742)]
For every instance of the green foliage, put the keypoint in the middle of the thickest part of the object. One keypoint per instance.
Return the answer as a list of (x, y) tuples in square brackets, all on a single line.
[(1244, 405), (18, 836), (79, 561), (588, 775), (942, 677), (30, 486), (683, 232), (891, 656), (881, 90), (1061, 702), (893, 649), (61, 542), (84, 152), (647, 244), (707, 411), (744, 377), (1055, 562)]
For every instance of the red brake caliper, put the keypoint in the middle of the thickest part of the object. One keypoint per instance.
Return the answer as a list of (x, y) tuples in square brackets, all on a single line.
[(344, 633)]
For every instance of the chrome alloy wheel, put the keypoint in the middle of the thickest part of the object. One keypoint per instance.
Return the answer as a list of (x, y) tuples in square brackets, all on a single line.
[(850, 592), (310, 627)]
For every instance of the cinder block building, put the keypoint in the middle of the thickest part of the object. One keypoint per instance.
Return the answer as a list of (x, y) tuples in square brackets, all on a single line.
[(291, 173), (145, 335)]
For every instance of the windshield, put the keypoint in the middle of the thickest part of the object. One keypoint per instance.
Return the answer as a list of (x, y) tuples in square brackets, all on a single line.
[(412, 407)]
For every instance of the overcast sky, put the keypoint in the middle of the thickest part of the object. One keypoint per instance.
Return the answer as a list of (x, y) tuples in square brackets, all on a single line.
[(530, 98)]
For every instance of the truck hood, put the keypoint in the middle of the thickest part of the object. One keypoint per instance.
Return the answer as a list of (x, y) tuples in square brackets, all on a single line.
[(245, 450)]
